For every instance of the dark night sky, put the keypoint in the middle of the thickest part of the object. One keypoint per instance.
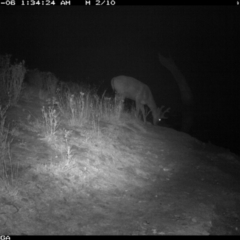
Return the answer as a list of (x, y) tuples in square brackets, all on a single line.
[(79, 43)]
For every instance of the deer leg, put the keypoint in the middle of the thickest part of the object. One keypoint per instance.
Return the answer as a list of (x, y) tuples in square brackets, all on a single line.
[(143, 112), (138, 110)]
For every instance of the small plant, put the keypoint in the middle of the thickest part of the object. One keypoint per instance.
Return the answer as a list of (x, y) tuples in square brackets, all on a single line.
[(51, 120), (78, 110), (7, 172), (3, 134), (69, 154), (118, 108), (73, 107), (107, 108)]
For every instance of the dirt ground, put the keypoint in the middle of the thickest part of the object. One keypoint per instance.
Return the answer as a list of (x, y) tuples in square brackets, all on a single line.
[(114, 179)]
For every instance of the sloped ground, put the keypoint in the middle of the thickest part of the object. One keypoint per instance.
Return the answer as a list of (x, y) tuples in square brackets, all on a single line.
[(121, 179)]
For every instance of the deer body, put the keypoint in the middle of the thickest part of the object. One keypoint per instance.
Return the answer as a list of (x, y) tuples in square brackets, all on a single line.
[(131, 88)]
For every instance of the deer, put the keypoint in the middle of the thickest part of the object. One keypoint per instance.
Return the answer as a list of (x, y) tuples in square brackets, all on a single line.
[(131, 88)]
